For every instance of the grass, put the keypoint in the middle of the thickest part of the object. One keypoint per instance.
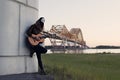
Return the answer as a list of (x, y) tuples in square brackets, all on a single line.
[(83, 66)]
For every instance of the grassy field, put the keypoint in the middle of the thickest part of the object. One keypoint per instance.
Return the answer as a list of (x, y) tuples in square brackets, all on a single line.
[(83, 66)]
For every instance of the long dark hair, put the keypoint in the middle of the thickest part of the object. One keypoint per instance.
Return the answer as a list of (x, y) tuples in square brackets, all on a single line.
[(40, 24)]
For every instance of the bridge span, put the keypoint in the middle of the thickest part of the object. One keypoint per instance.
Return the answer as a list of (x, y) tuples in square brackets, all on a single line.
[(65, 39)]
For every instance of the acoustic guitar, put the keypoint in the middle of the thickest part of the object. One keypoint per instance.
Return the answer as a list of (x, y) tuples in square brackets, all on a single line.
[(36, 39), (39, 38)]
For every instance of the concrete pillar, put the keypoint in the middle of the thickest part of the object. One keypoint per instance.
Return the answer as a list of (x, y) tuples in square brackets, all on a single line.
[(15, 17)]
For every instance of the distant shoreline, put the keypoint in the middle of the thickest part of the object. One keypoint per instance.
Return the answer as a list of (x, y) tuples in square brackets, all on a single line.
[(106, 47)]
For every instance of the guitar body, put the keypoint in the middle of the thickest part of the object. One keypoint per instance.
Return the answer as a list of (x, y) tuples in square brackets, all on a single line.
[(39, 38), (35, 39)]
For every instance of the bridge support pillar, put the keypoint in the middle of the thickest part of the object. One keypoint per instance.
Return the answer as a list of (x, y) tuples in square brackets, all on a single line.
[(15, 17)]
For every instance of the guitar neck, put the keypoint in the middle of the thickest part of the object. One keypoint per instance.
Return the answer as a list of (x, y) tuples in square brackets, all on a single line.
[(51, 35)]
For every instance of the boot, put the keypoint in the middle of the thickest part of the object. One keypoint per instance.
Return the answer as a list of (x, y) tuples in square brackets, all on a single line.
[(42, 72)]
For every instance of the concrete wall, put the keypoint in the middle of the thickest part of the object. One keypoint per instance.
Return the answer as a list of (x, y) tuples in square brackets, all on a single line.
[(15, 17)]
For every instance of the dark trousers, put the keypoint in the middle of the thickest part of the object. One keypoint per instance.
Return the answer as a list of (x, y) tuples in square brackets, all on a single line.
[(39, 50)]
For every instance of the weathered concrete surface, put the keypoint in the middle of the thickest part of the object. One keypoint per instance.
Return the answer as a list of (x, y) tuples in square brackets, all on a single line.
[(15, 17)]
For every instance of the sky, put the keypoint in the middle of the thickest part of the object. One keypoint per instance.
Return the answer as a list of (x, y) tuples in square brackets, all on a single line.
[(99, 20)]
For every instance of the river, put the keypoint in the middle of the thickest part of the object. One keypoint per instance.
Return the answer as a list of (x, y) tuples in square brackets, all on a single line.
[(89, 51)]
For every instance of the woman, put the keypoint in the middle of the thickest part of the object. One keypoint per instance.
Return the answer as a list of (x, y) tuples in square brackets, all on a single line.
[(35, 41)]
